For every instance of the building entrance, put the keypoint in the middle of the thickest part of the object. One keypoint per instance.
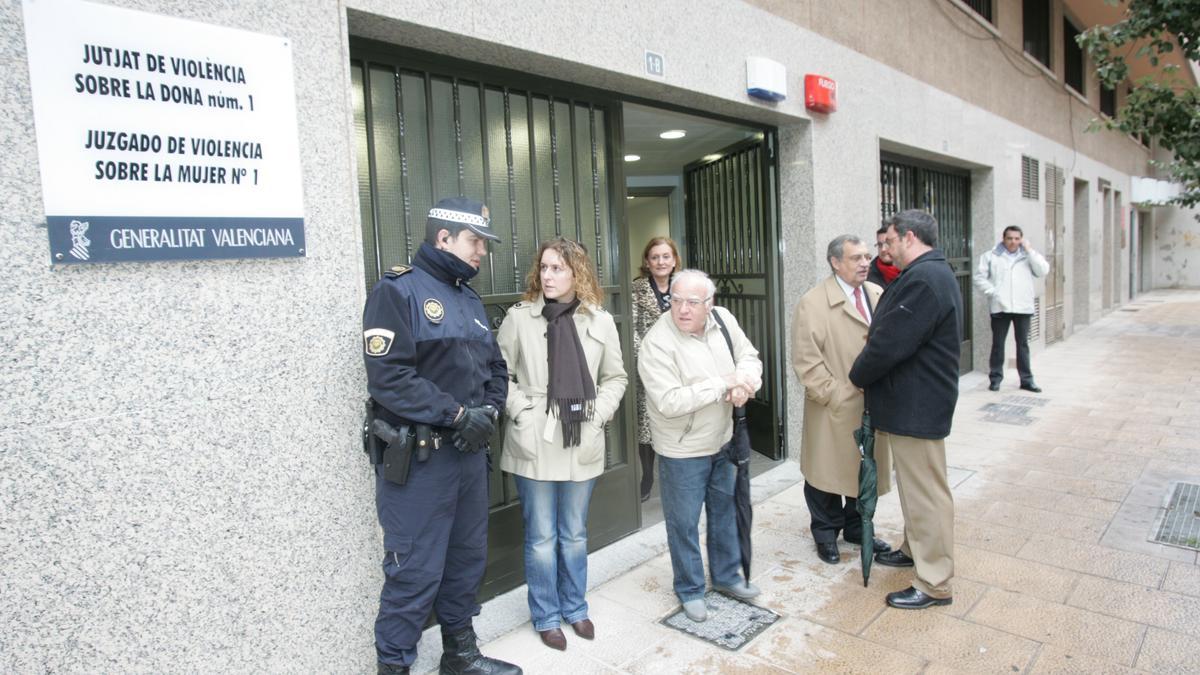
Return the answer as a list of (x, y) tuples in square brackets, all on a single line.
[(549, 159), (945, 192)]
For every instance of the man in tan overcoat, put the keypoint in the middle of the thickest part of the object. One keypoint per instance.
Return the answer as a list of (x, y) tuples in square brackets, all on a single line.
[(829, 328)]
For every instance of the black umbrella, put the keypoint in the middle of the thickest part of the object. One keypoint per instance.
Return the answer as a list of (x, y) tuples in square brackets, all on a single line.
[(868, 491), (738, 451)]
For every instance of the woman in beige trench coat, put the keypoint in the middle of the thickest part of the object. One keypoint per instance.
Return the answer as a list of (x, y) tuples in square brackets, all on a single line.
[(567, 378)]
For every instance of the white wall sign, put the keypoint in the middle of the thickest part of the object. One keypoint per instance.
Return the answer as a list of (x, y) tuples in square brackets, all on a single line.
[(161, 138)]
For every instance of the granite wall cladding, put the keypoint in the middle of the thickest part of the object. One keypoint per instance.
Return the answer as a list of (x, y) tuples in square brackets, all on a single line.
[(181, 481), (181, 486)]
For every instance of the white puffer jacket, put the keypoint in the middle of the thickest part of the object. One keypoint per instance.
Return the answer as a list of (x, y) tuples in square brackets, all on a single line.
[(1007, 280)]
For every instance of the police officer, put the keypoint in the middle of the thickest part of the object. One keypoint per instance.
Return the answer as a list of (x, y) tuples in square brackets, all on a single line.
[(431, 360)]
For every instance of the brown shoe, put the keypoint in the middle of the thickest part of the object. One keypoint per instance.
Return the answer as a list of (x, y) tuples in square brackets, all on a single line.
[(585, 629), (554, 639)]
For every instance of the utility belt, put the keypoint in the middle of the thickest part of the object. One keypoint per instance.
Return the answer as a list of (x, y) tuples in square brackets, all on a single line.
[(394, 446)]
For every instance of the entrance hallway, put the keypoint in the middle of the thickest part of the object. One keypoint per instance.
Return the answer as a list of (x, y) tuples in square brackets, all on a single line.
[(1053, 568)]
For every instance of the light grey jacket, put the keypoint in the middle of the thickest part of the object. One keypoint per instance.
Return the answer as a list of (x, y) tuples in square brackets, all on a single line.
[(1007, 281), (533, 445), (685, 388)]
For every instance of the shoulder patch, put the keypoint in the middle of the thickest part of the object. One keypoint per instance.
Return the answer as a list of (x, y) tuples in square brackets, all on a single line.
[(398, 270), (377, 341)]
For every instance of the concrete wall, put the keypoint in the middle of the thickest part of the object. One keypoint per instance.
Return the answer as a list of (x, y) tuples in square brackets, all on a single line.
[(182, 482)]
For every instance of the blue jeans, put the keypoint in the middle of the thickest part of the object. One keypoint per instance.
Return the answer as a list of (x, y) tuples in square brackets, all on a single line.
[(555, 514), (686, 484)]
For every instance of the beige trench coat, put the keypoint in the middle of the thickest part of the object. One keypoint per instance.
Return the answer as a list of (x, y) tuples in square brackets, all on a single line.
[(533, 445), (827, 335)]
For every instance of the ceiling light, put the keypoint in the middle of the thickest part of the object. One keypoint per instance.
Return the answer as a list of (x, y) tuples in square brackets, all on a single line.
[(630, 197), (712, 158), (672, 134), (632, 158)]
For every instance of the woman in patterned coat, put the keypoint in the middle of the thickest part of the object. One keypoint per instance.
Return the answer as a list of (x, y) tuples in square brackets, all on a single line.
[(651, 298)]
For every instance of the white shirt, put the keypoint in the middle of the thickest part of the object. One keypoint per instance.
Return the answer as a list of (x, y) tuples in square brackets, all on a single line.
[(849, 291)]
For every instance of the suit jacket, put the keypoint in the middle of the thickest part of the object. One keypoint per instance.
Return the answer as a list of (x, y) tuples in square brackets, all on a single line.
[(533, 445), (827, 335)]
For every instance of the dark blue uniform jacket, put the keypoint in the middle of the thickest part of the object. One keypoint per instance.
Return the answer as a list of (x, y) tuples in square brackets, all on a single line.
[(909, 367), (427, 346)]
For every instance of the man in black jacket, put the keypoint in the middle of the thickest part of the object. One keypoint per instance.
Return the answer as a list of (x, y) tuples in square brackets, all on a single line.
[(909, 373)]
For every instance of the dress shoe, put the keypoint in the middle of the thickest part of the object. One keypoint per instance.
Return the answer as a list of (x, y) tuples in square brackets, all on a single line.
[(911, 598), (391, 669), (894, 559), (696, 610), (584, 629), (554, 638), (1029, 386), (877, 545), (995, 386), (742, 590), (828, 552)]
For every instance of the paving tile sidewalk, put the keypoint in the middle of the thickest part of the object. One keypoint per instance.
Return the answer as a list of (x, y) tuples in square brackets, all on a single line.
[(1054, 572)]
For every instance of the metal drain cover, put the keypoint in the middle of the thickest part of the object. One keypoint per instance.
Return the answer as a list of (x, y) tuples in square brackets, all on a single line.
[(1179, 524), (731, 622), (1007, 413), (1030, 401)]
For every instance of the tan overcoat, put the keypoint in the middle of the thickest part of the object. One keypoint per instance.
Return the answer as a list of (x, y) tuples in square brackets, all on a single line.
[(827, 335), (533, 445)]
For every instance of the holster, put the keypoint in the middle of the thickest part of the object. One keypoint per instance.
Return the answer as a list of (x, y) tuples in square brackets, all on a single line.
[(397, 456)]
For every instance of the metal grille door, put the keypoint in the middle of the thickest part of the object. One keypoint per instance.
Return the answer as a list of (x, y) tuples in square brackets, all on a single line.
[(729, 236), (543, 164), (944, 192)]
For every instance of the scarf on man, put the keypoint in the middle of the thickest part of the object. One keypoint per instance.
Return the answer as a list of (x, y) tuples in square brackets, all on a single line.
[(889, 272), (571, 387)]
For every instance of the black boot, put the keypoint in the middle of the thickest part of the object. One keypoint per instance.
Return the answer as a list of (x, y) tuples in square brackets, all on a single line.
[(389, 669), (460, 656)]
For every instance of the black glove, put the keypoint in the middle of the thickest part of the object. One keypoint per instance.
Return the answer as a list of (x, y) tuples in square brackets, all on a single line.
[(474, 427)]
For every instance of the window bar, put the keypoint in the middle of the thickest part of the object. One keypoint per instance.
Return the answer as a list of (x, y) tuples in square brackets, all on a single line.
[(595, 193), (533, 177), (575, 175), (487, 178), (742, 203), (458, 146), (754, 160), (554, 170), (372, 176), (406, 196), (433, 192), (512, 193)]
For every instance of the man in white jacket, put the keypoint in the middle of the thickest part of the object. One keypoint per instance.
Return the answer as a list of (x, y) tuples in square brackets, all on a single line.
[(1005, 275), (693, 381)]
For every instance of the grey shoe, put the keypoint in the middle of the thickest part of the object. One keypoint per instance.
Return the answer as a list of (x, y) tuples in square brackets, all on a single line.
[(742, 590), (696, 610)]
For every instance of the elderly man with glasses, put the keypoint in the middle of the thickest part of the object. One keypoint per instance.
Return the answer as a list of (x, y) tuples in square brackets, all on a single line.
[(693, 380)]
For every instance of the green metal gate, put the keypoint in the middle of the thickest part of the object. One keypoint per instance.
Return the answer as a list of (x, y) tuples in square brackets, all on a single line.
[(946, 193), (542, 159), (729, 204)]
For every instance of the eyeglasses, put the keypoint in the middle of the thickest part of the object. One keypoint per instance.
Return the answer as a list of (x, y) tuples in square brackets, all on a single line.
[(694, 303)]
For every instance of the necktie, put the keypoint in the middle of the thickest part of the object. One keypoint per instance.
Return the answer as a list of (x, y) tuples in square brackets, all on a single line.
[(859, 304)]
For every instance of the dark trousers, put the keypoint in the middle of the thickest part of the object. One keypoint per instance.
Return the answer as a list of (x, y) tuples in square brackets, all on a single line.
[(831, 515), (435, 549), (1020, 324)]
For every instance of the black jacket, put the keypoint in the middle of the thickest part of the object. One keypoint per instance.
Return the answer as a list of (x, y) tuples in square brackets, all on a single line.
[(909, 367), (426, 343)]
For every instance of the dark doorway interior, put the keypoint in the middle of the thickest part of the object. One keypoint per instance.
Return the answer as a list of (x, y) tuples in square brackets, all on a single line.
[(709, 184)]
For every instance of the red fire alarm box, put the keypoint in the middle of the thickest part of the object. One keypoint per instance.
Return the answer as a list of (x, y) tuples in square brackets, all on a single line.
[(820, 93)]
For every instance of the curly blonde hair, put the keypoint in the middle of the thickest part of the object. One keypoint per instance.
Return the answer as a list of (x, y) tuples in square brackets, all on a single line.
[(575, 256)]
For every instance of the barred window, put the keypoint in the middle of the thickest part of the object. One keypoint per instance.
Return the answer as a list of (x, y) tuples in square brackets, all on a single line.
[(1029, 177), (981, 7)]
